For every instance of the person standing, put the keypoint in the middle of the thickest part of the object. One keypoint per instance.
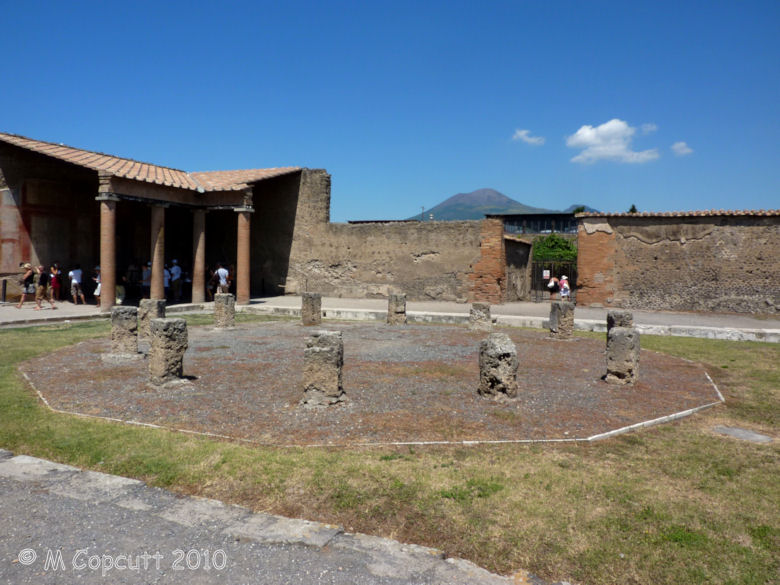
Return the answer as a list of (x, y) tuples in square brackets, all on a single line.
[(42, 292), (96, 278), (76, 291), (146, 280), (176, 281), (553, 286), (55, 281), (222, 275), (565, 288), (27, 280)]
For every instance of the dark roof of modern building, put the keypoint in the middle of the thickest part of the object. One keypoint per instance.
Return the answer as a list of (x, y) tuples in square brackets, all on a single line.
[(146, 172), (702, 213)]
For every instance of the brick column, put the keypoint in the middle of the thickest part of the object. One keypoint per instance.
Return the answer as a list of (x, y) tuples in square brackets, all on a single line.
[(242, 255), (107, 250), (199, 256), (158, 252)]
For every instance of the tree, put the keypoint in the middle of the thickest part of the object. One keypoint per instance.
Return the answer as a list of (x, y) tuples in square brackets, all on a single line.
[(633, 209), (554, 247)]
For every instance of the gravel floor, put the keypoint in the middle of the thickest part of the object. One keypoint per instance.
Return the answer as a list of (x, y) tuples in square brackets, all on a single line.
[(410, 383)]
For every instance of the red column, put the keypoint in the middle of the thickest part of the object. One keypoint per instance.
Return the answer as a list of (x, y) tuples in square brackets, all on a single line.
[(199, 256), (158, 252), (107, 250), (242, 255)]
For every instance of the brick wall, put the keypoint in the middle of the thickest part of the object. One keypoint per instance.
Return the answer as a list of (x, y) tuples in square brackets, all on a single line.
[(684, 263), (488, 280)]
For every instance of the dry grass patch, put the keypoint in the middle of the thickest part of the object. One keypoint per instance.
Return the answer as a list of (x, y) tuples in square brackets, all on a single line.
[(672, 504)]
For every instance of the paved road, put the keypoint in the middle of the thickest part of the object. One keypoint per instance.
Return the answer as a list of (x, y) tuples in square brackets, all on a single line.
[(63, 525), (10, 316)]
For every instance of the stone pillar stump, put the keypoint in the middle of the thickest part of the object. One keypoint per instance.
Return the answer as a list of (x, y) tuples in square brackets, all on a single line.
[(224, 310), (124, 330), (619, 318), (396, 310), (311, 308), (622, 355), (498, 367), (166, 356), (479, 317), (562, 319), (149, 309), (323, 362)]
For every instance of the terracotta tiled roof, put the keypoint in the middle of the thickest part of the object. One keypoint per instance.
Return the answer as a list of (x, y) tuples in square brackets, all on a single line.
[(233, 180), (703, 213), (145, 172)]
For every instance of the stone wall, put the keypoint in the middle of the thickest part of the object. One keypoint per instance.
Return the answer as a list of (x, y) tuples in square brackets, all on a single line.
[(456, 261), (702, 262)]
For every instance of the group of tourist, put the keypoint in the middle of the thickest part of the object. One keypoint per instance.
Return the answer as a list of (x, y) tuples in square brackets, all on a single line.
[(559, 285), (39, 284)]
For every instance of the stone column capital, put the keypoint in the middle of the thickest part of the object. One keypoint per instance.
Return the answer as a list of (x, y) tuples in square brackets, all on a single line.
[(107, 197), (245, 209)]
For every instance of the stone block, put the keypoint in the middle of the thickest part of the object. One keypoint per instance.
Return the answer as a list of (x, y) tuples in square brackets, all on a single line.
[(498, 367), (619, 318), (311, 308), (562, 319), (224, 310), (149, 309), (166, 355), (396, 310), (479, 317), (323, 362), (622, 355), (124, 330)]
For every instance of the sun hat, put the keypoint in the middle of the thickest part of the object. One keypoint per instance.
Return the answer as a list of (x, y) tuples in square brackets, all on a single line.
[(27, 266), (564, 277)]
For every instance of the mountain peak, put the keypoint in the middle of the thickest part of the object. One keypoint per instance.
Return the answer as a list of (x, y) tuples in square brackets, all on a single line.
[(477, 204)]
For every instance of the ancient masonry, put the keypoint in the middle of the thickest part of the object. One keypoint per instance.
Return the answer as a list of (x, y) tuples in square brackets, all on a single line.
[(488, 282), (323, 362), (166, 355), (149, 309), (622, 355), (479, 317), (618, 318), (698, 261), (562, 319), (224, 310), (396, 309), (498, 367), (124, 330), (311, 308)]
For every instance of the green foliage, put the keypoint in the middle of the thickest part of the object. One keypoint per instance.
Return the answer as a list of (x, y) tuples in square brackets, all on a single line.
[(633, 209), (555, 247)]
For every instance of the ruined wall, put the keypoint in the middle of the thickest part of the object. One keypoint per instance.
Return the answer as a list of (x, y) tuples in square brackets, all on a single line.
[(683, 263), (425, 260)]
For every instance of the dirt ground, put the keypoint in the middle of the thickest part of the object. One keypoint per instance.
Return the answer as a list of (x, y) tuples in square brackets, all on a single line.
[(403, 383)]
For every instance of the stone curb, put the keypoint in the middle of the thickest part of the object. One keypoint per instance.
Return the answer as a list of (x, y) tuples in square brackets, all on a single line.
[(386, 557), (51, 320), (765, 335)]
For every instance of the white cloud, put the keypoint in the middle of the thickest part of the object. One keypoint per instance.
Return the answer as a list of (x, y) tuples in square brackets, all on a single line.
[(681, 149), (610, 141), (525, 136), (648, 128)]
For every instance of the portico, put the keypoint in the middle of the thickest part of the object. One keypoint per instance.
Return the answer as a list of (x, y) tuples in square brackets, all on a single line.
[(48, 214)]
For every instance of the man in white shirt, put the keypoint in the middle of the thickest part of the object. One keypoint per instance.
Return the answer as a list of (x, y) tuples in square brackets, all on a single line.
[(222, 274), (75, 285)]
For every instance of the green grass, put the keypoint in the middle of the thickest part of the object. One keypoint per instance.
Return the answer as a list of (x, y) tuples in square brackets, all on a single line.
[(671, 504)]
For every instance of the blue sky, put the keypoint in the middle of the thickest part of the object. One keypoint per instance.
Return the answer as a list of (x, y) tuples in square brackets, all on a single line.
[(665, 105)]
